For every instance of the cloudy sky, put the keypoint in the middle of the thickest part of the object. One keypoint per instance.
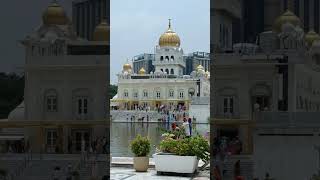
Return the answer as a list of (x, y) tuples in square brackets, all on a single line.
[(136, 26)]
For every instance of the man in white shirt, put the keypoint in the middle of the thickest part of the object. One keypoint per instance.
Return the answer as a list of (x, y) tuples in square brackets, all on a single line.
[(185, 125)]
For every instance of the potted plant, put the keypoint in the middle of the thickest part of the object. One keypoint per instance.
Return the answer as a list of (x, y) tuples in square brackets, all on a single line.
[(183, 154), (140, 147)]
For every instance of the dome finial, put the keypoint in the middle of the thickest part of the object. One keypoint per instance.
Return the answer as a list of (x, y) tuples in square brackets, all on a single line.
[(169, 23)]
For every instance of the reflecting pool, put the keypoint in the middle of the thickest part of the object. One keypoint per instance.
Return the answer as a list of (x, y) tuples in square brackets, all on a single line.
[(123, 133)]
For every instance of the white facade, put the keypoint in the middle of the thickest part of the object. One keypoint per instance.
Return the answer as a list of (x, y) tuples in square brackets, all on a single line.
[(167, 85), (269, 94), (65, 91)]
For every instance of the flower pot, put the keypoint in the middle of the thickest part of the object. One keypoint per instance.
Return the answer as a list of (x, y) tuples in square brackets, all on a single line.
[(141, 164), (176, 164)]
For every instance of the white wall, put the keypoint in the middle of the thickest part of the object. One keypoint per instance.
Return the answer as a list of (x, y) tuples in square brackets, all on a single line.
[(286, 157), (200, 112)]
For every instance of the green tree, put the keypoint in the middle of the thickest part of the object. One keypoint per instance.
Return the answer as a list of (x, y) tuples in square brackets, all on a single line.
[(11, 92), (112, 90)]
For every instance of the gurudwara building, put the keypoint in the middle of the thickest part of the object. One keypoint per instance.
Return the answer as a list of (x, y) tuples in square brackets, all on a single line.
[(167, 85), (268, 95), (64, 108)]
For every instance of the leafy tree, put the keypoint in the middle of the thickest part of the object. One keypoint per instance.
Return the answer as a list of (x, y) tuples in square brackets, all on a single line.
[(112, 90), (11, 92)]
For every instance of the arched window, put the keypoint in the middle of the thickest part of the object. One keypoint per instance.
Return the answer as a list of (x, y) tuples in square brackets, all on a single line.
[(158, 94), (172, 71), (135, 94), (161, 70), (161, 58), (126, 93), (51, 100), (181, 94), (167, 71), (172, 58), (167, 58), (171, 93), (145, 93)]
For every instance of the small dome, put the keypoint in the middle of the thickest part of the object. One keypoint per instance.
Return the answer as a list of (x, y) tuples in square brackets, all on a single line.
[(17, 113), (142, 71), (310, 37), (54, 15), (287, 17), (169, 38), (199, 67), (127, 67), (102, 32)]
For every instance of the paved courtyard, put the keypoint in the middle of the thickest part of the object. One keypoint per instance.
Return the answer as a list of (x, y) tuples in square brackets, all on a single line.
[(121, 173)]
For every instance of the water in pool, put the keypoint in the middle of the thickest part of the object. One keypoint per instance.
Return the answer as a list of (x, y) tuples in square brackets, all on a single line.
[(123, 133)]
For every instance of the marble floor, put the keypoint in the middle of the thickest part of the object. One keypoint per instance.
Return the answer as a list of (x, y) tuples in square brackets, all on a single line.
[(121, 173)]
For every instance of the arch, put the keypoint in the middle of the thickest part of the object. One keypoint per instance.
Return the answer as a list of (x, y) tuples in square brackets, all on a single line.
[(171, 71), (125, 93), (181, 93), (81, 103), (161, 58), (145, 93), (172, 58), (167, 71), (171, 93), (167, 58), (161, 70)]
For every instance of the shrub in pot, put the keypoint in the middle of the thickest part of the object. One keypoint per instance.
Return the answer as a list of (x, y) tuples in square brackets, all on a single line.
[(184, 154), (140, 147)]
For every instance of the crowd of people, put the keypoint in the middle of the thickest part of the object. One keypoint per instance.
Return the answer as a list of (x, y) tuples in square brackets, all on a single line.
[(16, 146), (224, 146)]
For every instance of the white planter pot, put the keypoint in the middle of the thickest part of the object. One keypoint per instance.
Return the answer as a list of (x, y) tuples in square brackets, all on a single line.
[(176, 164)]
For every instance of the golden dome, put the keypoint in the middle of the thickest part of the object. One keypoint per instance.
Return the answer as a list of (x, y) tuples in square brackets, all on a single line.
[(54, 14), (142, 71), (102, 32), (169, 38), (199, 67), (286, 17), (126, 67), (310, 37)]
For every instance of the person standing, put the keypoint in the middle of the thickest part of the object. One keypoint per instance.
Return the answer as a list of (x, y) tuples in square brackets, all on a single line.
[(185, 125), (190, 126)]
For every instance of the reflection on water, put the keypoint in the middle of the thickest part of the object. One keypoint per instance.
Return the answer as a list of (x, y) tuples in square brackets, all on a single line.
[(123, 133)]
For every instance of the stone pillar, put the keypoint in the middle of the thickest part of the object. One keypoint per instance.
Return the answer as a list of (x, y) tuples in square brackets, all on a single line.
[(246, 139)]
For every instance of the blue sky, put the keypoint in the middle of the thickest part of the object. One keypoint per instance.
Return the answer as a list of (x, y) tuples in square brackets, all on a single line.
[(136, 26)]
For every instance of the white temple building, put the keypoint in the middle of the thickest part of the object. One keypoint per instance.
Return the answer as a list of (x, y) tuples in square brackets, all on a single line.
[(167, 85), (65, 95), (268, 94)]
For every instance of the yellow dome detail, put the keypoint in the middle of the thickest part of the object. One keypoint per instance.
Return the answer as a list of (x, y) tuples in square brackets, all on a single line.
[(142, 71), (127, 67), (102, 32), (199, 67), (169, 38), (286, 17), (54, 15), (311, 37)]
